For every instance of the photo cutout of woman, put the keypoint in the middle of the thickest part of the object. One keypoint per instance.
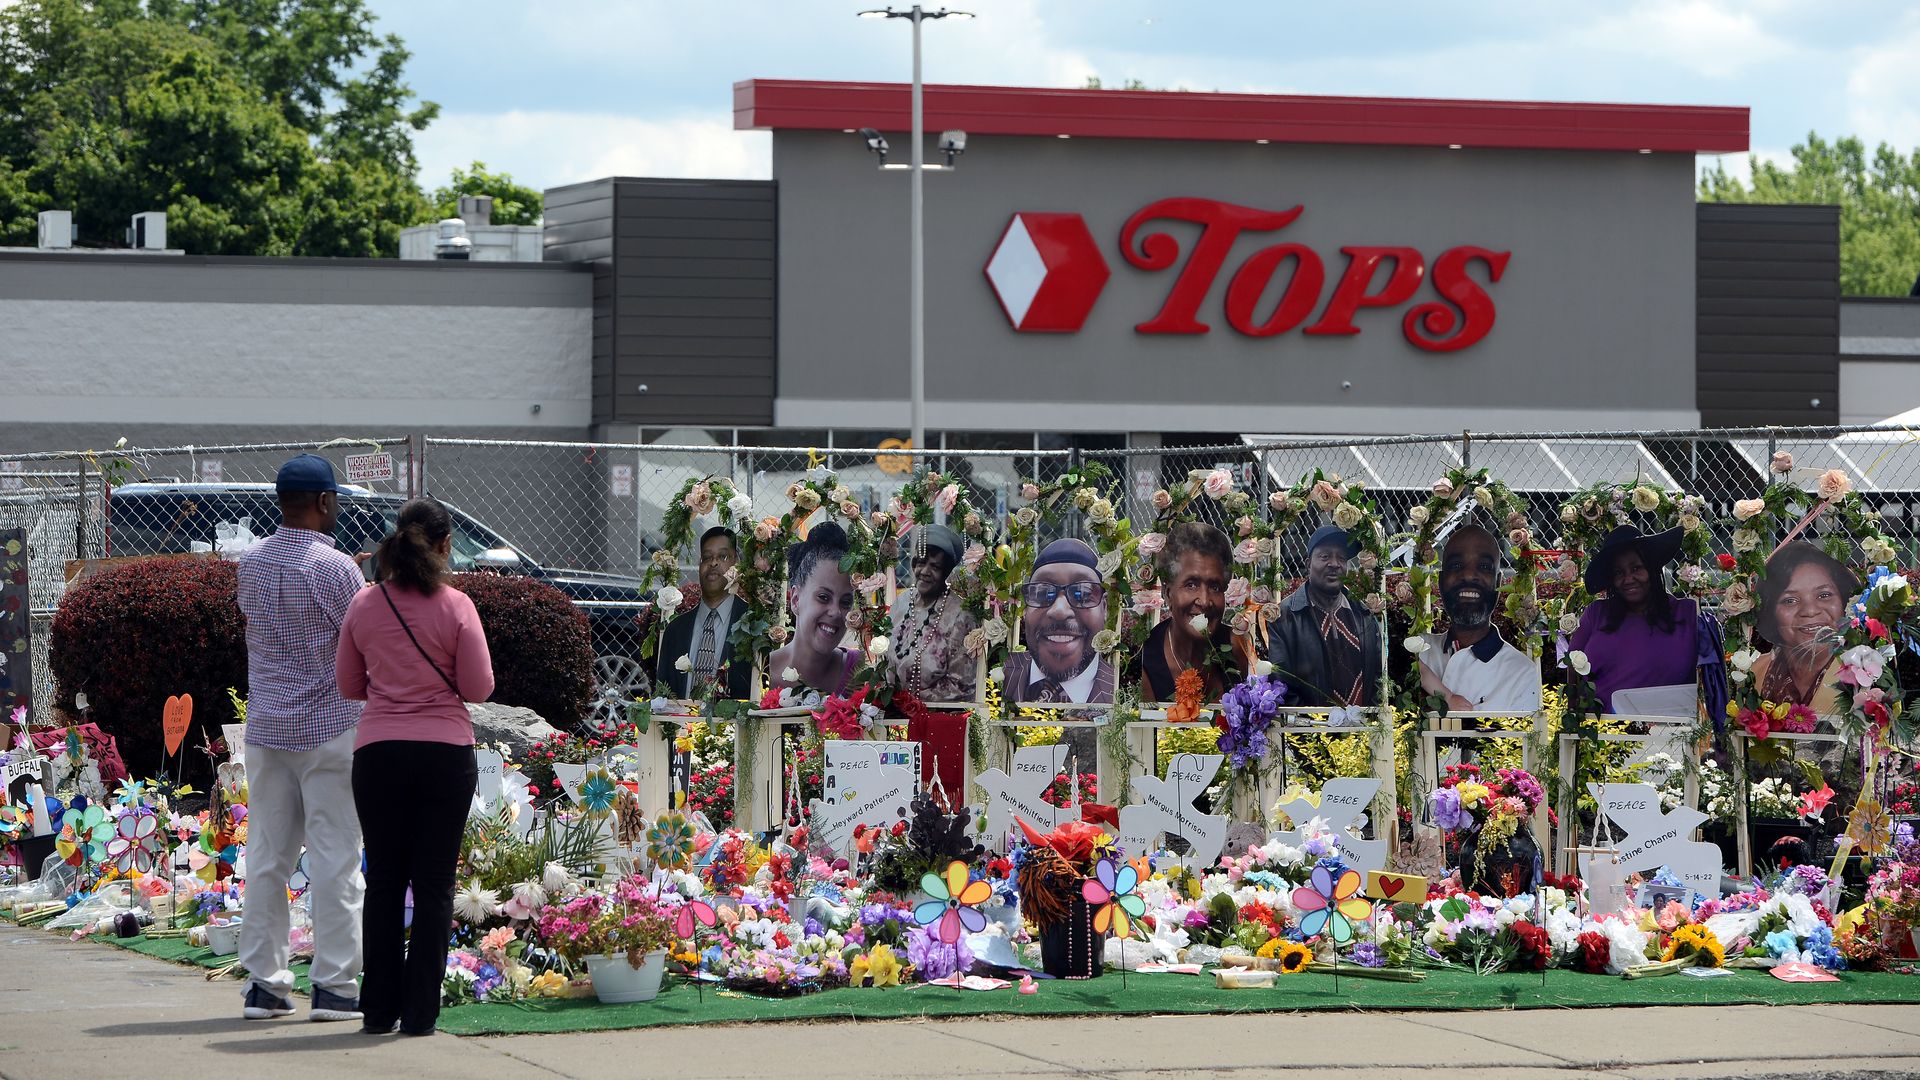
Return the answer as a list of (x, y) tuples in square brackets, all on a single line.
[(1643, 643), (1803, 613), (819, 597)]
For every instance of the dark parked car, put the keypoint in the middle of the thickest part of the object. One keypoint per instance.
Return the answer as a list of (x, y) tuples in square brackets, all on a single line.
[(169, 518)]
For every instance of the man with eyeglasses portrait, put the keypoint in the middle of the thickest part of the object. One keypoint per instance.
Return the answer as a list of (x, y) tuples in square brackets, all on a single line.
[(1066, 605), (702, 634)]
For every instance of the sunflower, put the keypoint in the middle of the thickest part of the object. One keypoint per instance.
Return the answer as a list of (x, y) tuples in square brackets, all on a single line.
[(1294, 957), (1271, 949), (1697, 942)]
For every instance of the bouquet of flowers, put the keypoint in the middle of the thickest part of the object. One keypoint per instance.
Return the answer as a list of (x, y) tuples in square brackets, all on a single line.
[(625, 919), (1246, 711), (1497, 853)]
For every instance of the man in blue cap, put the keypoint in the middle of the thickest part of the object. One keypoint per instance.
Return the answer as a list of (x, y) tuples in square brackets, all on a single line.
[(1323, 645), (294, 590)]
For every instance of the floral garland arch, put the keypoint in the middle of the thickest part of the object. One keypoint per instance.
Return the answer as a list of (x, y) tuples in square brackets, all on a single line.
[(1834, 518), (1491, 497), (1085, 489), (1589, 515)]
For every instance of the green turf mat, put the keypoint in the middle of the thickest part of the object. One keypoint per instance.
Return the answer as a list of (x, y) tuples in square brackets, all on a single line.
[(680, 1002), (178, 951)]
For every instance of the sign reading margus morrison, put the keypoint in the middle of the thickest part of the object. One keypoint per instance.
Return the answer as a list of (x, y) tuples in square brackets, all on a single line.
[(1048, 271)]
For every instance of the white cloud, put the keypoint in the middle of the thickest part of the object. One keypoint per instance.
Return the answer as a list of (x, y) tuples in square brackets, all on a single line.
[(545, 149), (1883, 89), (1703, 36)]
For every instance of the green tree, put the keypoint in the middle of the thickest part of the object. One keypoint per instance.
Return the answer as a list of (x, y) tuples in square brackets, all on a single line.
[(513, 204), (109, 108), (1879, 202)]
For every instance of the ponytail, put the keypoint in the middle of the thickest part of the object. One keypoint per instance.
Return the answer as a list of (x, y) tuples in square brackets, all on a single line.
[(407, 555)]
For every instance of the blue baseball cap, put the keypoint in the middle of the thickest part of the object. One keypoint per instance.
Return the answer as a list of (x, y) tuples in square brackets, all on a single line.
[(1332, 534), (308, 472)]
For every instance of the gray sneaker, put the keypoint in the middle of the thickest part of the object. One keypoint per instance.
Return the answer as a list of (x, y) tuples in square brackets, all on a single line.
[(264, 1004), (328, 1005)]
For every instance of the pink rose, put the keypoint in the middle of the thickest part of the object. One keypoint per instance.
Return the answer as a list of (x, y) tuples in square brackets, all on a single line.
[(1834, 484), (1145, 600), (1443, 489), (1217, 483), (1244, 526), (1152, 544), (1782, 462), (1029, 492), (1324, 495), (1748, 509), (1569, 572), (1237, 592), (974, 553), (1162, 500), (1261, 595), (943, 502), (1248, 551)]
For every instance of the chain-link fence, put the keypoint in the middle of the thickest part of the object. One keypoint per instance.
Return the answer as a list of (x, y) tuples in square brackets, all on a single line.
[(584, 509)]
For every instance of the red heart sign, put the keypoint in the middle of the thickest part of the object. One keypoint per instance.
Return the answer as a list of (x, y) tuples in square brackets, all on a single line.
[(1382, 885), (175, 720)]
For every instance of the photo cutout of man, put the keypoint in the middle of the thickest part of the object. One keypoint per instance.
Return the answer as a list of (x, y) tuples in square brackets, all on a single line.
[(1470, 664), (1323, 644), (1066, 605)]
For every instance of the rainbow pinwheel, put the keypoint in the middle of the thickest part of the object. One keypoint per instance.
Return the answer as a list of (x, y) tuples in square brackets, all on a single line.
[(214, 856), (691, 912), (1111, 891), (136, 842), (954, 903), (14, 821), (83, 836), (670, 842), (1331, 905)]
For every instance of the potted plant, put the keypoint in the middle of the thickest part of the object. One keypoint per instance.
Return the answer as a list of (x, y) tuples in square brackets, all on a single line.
[(1497, 851), (621, 936), (1051, 878)]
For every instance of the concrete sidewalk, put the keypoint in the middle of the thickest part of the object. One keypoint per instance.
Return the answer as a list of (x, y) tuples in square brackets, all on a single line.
[(87, 1011)]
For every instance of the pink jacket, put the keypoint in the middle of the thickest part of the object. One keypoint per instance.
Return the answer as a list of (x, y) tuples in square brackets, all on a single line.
[(406, 698)]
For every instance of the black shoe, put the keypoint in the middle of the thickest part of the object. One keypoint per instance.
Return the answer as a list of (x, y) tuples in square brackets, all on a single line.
[(328, 1005), (264, 1004), (371, 1028), (428, 1030)]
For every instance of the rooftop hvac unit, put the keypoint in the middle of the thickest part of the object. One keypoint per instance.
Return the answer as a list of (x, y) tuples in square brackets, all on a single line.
[(453, 242), (56, 229), (148, 231)]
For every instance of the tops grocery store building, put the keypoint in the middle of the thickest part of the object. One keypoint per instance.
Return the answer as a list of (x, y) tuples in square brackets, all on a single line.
[(1105, 270)]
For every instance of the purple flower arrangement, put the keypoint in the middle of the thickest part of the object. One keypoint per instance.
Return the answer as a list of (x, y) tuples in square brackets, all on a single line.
[(1246, 711)]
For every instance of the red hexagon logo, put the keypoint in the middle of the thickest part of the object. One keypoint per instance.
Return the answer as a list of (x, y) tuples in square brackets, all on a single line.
[(1047, 272)]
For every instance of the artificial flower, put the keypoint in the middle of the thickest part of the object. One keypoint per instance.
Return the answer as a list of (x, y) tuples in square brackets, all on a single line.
[(475, 903), (1294, 957)]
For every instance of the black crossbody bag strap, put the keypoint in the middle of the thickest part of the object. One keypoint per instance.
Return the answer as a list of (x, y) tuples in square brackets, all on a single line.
[(416, 642)]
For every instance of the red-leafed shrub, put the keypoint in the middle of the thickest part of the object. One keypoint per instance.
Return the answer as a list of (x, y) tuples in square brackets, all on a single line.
[(132, 635), (541, 646)]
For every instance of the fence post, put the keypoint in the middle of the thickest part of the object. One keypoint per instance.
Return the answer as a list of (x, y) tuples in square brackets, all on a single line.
[(1466, 449), (423, 466), (80, 512), (752, 483)]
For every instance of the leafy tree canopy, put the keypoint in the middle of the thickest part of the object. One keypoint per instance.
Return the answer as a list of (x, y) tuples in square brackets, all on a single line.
[(1879, 200), (262, 127), (513, 204)]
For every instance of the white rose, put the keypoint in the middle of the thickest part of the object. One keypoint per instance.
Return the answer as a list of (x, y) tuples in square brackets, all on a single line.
[(1346, 515), (1745, 539), (683, 664), (996, 632), (789, 674), (1417, 516), (877, 648), (740, 506), (1263, 668), (998, 675), (1415, 644), (669, 598), (1578, 661), (1106, 641), (1198, 624), (1569, 623)]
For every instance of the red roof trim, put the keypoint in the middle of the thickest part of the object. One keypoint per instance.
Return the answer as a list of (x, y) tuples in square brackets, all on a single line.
[(779, 104)]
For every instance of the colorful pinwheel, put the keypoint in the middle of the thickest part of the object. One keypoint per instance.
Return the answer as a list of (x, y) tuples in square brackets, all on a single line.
[(135, 845), (83, 836), (213, 858), (690, 912), (1331, 905), (597, 792), (1111, 890), (670, 842), (954, 902), (1870, 827), (14, 821)]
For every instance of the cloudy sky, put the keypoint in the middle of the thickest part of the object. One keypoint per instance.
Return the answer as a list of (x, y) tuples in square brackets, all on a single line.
[(643, 87)]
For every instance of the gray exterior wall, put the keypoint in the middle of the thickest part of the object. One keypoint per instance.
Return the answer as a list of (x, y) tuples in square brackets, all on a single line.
[(1769, 342), (1595, 311), (1879, 357), (100, 346), (683, 297)]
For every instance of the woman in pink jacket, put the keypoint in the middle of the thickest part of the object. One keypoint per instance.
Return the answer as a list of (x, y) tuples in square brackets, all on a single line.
[(414, 651)]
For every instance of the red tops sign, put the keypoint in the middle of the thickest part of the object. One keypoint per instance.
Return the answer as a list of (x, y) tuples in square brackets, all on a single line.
[(1047, 272)]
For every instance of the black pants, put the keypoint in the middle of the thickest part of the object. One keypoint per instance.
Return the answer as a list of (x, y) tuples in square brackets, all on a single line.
[(413, 799)]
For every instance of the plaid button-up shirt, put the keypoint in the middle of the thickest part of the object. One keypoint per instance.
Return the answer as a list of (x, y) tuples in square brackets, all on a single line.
[(294, 591)]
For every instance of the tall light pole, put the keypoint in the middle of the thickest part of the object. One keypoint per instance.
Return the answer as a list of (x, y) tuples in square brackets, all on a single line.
[(916, 275)]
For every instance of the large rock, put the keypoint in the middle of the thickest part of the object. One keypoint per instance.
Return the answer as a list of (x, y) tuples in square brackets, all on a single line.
[(516, 727)]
